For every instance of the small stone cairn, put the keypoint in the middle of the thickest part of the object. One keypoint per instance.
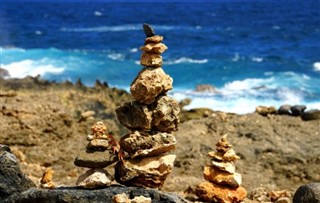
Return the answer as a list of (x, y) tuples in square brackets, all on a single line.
[(224, 183), (97, 155), (151, 118)]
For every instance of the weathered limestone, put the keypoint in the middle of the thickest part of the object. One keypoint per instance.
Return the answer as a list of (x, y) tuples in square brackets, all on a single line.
[(94, 178), (224, 183), (152, 118), (46, 180)]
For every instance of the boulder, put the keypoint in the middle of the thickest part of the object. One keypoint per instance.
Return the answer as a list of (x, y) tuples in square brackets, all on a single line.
[(151, 59), (221, 177), (140, 143), (266, 110), (145, 172), (285, 109), (311, 115), (149, 84), (95, 159), (309, 193), (211, 192), (94, 178), (297, 110), (12, 180)]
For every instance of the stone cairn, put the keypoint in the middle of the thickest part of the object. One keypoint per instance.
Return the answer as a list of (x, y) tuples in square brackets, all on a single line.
[(224, 183), (151, 119), (97, 155)]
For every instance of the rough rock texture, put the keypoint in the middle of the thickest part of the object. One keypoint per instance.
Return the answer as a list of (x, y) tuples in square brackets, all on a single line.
[(214, 193), (140, 143), (154, 48), (285, 109), (165, 117), (12, 180), (97, 144), (265, 110), (297, 110), (149, 84), (151, 59), (309, 193), (94, 178), (95, 159), (221, 177), (145, 172), (154, 39), (311, 115), (225, 166)]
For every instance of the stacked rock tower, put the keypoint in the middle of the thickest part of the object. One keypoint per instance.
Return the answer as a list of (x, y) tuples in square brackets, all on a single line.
[(224, 183), (97, 155), (151, 119)]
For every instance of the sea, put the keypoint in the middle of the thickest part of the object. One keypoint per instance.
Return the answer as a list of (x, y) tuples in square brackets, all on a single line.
[(252, 52)]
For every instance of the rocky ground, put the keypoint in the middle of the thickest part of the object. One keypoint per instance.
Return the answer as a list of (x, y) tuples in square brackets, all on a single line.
[(46, 124)]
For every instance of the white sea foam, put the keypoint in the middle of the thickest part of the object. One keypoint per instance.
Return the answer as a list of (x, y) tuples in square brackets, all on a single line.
[(116, 56), (185, 60), (133, 50), (316, 66), (28, 67), (257, 59), (97, 13)]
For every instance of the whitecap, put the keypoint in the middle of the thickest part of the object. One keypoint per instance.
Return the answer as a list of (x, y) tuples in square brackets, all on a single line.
[(116, 56), (185, 60), (316, 66), (38, 32), (133, 50), (97, 13), (236, 57), (257, 59)]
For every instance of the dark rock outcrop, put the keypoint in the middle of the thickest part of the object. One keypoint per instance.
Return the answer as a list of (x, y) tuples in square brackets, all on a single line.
[(311, 115), (297, 110), (309, 193)]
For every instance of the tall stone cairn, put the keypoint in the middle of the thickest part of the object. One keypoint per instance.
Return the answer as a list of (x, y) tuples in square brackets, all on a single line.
[(151, 118), (224, 184)]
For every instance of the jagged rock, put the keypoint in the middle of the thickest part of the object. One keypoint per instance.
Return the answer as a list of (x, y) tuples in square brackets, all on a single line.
[(311, 115), (211, 192), (149, 84), (46, 180), (98, 144), (158, 48), (276, 195), (148, 30), (95, 159), (259, 194), (266, 110), (297, 110), (309, 193), (12, 180), (154, 39), (145, 172), (94, 178), (223, 145), (139, 143), (134, 115), (121, 198), (224, 166), (141, 199), (151, 59), (72, 195), (165, 115), (285, 109), (221, 177), (229, 155)]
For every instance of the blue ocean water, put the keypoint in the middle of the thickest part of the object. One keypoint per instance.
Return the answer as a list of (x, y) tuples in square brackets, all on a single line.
[(254, 53)]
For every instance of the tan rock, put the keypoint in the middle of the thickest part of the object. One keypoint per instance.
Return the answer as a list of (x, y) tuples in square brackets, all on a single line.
[(165, 117), (150, 83), (224, 166), (121, 198), (141, 199), (99, 129), (211, 192), (223, 145), (46, 180), (151, 59), (265, 110), (87, 114), (154, 39), (98, 144), (94, 178), (145, 172), (141, 144), (222, 178), (229, 155), (95, 159), (158, 48)]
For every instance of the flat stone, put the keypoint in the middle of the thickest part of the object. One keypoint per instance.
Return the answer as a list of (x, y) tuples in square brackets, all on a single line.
[(266, 110), (100, 144), (212, 192), (221, 177), (165, 117), (134, 115), (95, 159), (311, 115), (309, 193), (158, 48), (297, 110), (154, 39), (151, 59), (285, 109), (149, 84), (141, 144), (224, 166), (145, 172), (94, 178), (229, 155)]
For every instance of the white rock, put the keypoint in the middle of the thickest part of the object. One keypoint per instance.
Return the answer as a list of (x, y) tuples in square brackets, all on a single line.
[(94, 178)]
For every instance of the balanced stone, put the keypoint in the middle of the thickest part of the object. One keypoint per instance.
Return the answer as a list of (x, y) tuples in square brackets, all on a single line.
[(94, 178), (145, 172), (149, 84), (154, 39), (139, 143), (95, 159), (221, 177), (98, 144), (154, 48), (266, 110), (165, 115), (151, 59), (224, 166), (229, 155)]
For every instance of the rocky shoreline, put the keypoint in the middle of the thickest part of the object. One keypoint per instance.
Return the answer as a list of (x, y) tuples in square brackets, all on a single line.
[(44, 123)]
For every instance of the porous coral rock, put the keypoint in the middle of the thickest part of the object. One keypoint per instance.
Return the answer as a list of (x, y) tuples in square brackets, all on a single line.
[(222, 178), (149, 84), (140, 143), (94, 178), (158, 48), (151, 59), (145, 172)]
